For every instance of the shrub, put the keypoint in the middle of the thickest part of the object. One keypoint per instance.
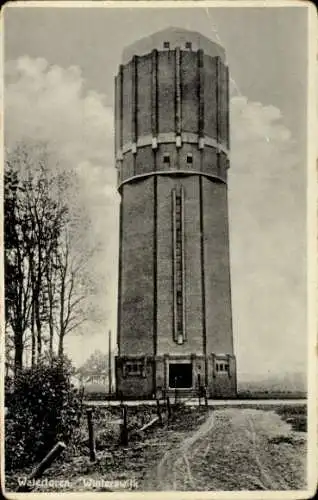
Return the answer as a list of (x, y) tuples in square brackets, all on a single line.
[(43, 408)]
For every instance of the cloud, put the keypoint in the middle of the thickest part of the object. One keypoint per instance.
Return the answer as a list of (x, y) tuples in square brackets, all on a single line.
[(267, 186), (267, 199), (48, 103)]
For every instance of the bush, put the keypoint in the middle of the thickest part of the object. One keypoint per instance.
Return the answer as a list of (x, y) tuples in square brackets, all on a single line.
[(43, 408)]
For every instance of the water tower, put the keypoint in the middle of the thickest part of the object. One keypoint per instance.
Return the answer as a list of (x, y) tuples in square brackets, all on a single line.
[(172, 157)]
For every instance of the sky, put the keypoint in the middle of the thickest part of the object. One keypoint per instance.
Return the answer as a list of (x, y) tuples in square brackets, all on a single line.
[(60, 65)]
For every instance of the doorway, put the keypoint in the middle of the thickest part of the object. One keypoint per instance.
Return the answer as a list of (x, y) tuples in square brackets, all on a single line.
[(180, 375)]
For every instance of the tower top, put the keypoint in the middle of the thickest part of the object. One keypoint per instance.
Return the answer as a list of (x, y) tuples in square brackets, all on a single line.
[(170, 38)]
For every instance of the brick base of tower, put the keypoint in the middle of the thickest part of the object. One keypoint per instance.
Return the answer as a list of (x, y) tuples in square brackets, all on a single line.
[(154, 376)]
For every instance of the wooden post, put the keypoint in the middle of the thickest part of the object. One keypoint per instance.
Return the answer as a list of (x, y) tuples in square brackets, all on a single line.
[(168, 407), (123, 427), (45, 464), (91, 438), (205, 396), (109, 363), (149, 424), (159, 412), (199, 389), (80, 411)]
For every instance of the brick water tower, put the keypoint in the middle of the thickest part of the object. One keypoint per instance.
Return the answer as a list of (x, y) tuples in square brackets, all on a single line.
[(172, 157)]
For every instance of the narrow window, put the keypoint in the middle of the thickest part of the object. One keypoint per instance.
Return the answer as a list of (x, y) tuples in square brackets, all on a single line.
[(178, 265), (189, 158), (166, 45), (188, 45), (166, 158)]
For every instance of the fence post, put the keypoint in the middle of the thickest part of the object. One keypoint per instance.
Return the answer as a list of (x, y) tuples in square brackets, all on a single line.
[(168, 407), (46, 462), (123, 427), (91, 437), (199, 388), (159, 412), (80, 411)]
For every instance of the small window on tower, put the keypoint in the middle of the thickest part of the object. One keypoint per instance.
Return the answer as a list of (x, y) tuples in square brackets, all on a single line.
[(166, 158), (166, 45), (188, 45), (133, 369), (222, 367), (189, 158)]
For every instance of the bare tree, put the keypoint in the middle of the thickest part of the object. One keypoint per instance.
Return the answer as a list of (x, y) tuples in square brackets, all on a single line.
[(47, 283), (18, 281), (33, 222), (74, 287)]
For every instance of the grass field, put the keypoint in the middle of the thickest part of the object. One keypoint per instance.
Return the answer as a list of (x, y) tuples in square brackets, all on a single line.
[(228, 448)]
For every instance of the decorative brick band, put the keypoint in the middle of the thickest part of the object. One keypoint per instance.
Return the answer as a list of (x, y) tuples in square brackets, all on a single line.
[(170, 138), (171, 173)]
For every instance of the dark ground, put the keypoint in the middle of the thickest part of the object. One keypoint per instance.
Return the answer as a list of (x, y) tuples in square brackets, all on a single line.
[(254, 448)]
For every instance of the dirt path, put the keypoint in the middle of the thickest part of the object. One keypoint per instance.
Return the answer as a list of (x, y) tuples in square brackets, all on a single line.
[(222, 449), (233, 449)]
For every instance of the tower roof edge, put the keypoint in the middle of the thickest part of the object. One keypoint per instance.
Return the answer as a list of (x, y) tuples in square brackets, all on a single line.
[(173, 36)]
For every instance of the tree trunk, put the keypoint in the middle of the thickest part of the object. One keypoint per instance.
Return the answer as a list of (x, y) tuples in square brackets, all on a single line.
[(62, 331), (33, 338), (39, 284), (51, 318), (18, 354), (39, 334), (51, 343), (61, 346), (32, 326)]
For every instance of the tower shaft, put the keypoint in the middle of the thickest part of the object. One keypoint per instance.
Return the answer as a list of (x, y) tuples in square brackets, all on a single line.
[(172, 156)]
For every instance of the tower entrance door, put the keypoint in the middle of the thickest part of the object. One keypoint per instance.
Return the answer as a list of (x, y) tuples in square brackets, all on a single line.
[(180, 375)]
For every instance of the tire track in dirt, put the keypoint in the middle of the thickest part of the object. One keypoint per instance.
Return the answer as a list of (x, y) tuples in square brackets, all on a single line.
[(174, 459), (269, 479), (232, 450)]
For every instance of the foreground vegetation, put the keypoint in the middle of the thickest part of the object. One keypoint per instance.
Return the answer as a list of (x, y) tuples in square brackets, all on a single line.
[(42, 408), (200, 448)]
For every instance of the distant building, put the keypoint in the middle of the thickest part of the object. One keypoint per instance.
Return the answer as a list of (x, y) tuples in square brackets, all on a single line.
[(93, 382), (172, 155)]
